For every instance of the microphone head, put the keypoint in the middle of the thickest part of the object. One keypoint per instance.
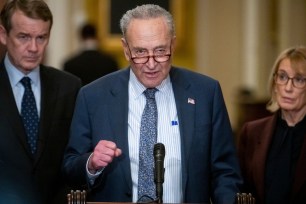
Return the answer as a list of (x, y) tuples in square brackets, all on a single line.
[(159, 149)]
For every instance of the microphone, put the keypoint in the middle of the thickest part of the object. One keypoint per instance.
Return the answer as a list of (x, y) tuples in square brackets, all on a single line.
[(159, 170)]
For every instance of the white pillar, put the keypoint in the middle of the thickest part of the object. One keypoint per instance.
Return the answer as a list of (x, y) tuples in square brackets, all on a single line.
[(292, 29), (67, 17), (250, 57)]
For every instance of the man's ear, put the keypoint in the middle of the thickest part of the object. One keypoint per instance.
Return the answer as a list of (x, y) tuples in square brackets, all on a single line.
[(125, 49), (3, 35)]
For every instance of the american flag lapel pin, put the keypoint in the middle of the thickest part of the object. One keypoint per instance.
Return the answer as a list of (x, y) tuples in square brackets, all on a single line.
[(191, 101)]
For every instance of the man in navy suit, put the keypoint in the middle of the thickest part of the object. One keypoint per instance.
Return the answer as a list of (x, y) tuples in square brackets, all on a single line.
[(193, 124), (32, 175)]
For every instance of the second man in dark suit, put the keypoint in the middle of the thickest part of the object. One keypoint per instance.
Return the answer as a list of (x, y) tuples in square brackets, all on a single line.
[(36, 108)]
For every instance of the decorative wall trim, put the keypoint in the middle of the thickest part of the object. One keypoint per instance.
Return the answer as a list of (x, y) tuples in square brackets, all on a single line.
[(109, 15)]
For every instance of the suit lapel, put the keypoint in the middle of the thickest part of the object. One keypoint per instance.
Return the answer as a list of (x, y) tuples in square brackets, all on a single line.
[(118, 116), (49, 92), (185, 104), (10, 111), (119, 109), (262, 146)]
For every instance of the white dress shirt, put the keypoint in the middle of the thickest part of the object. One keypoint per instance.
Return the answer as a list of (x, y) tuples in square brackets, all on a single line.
[(168, 134)]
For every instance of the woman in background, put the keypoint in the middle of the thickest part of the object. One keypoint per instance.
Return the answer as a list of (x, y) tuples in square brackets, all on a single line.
[(272, 150)]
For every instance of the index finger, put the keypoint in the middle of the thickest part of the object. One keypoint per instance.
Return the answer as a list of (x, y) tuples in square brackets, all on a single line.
[(109, 144)]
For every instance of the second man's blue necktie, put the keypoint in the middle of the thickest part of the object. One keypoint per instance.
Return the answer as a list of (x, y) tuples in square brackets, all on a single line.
[(29, 114)]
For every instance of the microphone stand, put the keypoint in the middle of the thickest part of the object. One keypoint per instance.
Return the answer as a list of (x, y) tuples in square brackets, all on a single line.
[(159, 192)]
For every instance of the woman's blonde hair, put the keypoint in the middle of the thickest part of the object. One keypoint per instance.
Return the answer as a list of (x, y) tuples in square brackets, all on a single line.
[(297, 57)]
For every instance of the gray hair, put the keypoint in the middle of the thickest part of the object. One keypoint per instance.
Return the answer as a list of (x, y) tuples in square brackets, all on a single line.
[(146, 11)]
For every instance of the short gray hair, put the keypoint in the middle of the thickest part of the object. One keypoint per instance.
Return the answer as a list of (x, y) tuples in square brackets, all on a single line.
[(146, 11)]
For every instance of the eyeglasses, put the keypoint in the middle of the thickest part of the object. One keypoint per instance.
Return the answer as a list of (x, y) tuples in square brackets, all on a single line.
[(144, 59), (283, 78)]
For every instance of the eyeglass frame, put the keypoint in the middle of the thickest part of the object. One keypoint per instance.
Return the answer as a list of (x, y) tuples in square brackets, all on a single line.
[(293, 80), (149, 56)]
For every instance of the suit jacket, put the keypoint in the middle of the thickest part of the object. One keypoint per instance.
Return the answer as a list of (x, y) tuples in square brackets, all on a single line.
[(209, 165), (89, 65), (254, 142), (58, 94), (16, 187)]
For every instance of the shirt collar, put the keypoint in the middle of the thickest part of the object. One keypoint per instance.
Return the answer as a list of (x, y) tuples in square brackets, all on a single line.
[(139, 88), (16, 75)]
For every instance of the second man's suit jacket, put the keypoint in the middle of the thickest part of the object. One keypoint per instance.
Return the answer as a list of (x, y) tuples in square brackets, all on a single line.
[(90, 65), (42, 172), (209, 165), (254, 142)]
